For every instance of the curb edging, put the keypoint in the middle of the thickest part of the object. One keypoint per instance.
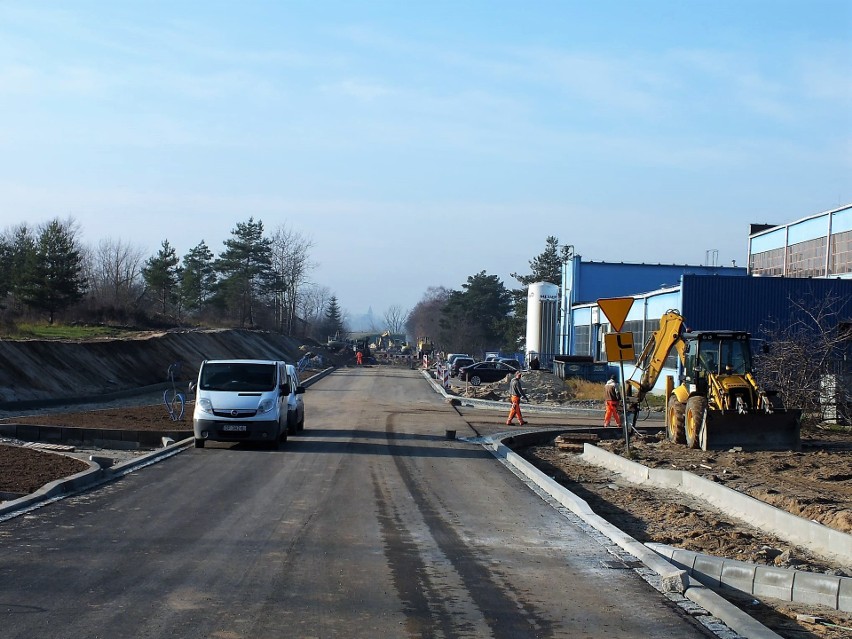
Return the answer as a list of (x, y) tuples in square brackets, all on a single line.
[(673, 577), (97, 475), (787, 584), (831, 543)]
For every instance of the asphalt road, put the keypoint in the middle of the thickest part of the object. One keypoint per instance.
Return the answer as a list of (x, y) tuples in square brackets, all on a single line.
[(370, 524)]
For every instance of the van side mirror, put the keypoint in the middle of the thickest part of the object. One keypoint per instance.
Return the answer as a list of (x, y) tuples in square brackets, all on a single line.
[(190, 388), (300, 390), (285, 389)]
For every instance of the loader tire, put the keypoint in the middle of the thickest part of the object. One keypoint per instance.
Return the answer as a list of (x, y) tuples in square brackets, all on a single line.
[(675, 412), (696, 412)]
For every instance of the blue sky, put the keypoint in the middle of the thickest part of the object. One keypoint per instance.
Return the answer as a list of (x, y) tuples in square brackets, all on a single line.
[(418, 143)]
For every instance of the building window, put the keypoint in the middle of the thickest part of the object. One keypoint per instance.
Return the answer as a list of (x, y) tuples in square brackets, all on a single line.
[(841, 253), (807, 259), (582, 337), (768, 262)]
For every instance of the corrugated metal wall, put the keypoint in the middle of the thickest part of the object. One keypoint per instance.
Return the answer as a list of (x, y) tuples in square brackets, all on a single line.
[(609, 279), (754, 303)]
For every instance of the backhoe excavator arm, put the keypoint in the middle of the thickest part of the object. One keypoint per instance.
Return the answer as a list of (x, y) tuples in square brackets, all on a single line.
[(652, 359)]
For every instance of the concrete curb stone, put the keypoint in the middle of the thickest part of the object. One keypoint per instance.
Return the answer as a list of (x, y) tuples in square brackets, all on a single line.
[(786, 584), (828, 542)]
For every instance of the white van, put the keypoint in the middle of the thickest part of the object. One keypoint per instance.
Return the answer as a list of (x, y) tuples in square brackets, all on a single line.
[(246, 400)]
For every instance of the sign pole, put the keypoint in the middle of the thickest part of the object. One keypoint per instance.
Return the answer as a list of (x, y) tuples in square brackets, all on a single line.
[(619, 345), (624, 425)]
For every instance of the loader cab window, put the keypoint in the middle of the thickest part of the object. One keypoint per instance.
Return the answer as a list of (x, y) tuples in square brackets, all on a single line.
[(730, 356), (736, 356), (708, 356), (689, 360)]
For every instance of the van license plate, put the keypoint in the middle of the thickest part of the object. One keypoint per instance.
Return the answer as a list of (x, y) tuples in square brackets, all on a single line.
[(236, 427)]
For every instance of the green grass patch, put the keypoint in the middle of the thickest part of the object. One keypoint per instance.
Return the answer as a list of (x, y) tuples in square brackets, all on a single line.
[(60, 331)]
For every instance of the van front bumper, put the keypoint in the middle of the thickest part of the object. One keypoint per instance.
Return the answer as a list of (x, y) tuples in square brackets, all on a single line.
[(218, 430)]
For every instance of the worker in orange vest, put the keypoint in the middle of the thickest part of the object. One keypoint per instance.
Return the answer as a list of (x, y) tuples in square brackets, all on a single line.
[(612, 396), (359, 357), (516, 390)]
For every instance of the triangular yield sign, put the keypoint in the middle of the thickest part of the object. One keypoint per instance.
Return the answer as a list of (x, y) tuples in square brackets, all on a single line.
[(616, 310)]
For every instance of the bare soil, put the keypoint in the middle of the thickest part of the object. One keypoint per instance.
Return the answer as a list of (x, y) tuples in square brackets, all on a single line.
[(815, 483)]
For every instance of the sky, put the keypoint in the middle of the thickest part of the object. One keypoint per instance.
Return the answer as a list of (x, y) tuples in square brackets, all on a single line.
[(414, 143)]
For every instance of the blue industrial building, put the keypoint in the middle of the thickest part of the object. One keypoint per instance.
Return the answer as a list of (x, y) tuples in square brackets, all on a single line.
[(583, 283), (759, 299)]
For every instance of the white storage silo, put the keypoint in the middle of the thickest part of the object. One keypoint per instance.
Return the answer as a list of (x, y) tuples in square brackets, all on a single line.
[(542, 321)]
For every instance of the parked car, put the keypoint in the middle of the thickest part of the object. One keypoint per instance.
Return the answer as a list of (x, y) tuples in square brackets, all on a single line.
[(457, 364), (510, 361), (485, 372), (451, 357)]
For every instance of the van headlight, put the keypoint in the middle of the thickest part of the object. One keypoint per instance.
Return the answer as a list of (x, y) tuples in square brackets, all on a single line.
[(266, 405), (205, 405)]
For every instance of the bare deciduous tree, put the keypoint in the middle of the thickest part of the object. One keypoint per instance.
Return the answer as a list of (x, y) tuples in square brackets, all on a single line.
[(114, 273), (311, 303), (395, 319), (291, 263), (806, 351), (424, 319)]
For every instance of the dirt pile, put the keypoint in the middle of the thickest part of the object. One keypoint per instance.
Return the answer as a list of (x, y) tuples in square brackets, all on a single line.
[(542, 387), (50, 370)]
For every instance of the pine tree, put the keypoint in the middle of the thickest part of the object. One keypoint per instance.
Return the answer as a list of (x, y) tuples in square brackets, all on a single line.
[(162, 274), (475, 319), (334, 318), (54, 279), (246, 269), (17, 258), (547, 266), (198, 279)]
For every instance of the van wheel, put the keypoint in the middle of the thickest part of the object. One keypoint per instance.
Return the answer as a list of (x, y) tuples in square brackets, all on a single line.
[(292, 426), (199, 443), (301, 425)]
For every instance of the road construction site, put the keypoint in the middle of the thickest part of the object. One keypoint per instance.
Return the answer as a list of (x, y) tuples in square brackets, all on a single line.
[(698, 525)]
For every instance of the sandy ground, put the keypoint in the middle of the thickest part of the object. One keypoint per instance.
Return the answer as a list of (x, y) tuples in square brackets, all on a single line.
[(814, 483)]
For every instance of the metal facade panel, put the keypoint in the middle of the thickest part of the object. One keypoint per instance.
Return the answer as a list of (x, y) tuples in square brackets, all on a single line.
[(754, 304), (611, 279)]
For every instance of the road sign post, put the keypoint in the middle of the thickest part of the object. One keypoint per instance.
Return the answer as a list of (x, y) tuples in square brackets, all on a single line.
[(619, 346)]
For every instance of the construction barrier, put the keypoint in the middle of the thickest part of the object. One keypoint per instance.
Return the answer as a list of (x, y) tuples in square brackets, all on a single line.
[(442, 375)]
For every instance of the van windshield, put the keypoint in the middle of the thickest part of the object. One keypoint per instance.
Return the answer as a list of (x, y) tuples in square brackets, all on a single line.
[(235, 376)]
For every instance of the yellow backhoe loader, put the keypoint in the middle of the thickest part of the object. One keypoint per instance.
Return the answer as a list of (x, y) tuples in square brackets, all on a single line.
[(718, 403)]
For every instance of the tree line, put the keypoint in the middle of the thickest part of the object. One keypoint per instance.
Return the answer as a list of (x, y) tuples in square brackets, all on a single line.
[(484, 315), (256, 280)]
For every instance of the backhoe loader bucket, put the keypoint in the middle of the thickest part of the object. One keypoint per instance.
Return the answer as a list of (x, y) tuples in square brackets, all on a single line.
[(752, 431)]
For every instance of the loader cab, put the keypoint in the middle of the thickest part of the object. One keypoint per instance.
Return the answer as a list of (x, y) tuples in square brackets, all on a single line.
[(716, 353)]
